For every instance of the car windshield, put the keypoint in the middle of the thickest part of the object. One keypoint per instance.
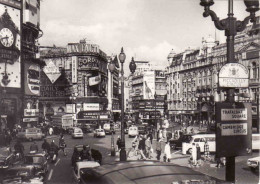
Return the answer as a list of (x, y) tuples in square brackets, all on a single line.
[(4, 152), (100, 130), (33, 160), (78, 131)]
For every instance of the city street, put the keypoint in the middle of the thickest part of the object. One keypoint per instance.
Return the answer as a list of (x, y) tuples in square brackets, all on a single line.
[(61, 171)]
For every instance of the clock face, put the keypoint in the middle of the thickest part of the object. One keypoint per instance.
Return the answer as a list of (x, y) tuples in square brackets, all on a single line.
[(7, 37)]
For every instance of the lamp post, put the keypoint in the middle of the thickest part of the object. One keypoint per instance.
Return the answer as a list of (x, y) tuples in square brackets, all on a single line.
[(257, 111), (132, 67), (199, 100), (231, 27), (155, 120)]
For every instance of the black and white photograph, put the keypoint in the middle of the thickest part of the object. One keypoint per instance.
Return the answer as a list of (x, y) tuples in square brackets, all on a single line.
[(129, 91)]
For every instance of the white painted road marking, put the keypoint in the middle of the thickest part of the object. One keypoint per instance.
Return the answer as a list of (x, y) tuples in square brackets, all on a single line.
[(50, 174), (57, 162)]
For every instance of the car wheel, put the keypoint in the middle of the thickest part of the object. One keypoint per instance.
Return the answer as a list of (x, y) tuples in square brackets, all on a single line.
[(189, 151)]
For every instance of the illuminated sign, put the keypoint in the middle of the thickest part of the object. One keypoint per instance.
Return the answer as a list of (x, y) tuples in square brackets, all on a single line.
[(52, 71), (74, 69)]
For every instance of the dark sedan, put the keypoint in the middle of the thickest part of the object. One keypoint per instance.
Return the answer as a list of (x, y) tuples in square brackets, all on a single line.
[(177, 143), (22, 174), (141, 172), (39, 161), (7, 157)]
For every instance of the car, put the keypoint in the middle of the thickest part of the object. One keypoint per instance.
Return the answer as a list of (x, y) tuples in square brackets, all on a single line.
[(86, 128), (22, 174), (133, 131), (177, 143), (126, 130), (99, 133), (76, 155), (144, 172), (108, 129), (77, 133), (39, 161), (8, 157), (142, 129), (30, 134), (253, 163), (83, 167)]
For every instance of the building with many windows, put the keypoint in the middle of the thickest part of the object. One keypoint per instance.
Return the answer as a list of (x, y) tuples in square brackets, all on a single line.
[(192, 77)]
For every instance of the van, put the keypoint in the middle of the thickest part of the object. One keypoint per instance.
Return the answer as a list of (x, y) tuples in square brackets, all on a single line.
[(200, 140), (30, 134), (108, 129), (133, 131)]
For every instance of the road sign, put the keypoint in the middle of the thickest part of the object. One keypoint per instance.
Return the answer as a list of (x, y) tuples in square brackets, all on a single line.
[(233, 75), (233, 129)]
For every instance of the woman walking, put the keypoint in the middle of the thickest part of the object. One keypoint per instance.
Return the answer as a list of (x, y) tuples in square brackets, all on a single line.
[(158, 149), (167, 152)]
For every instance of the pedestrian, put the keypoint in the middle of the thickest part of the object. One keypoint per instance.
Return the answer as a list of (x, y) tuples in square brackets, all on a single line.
[(150, 136), (19, 148), (96, 155), (206, 151), (45, 146), (194, 154), (118, 143), (158, 149), (50, 131), (134, 147), (62, 144), (148, 147), (141, 147), (167, 152), (34, 148), (198, 155)]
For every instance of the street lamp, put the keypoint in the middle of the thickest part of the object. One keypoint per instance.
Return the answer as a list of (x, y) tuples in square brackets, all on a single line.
[(132, 67), (199, 100), (155, 96), (231, 27)]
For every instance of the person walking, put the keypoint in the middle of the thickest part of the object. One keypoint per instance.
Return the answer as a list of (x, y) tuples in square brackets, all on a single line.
[(148, 147), (206, 151), (50, 131), (118, 143), (194, 154), (141, 147), (62, 144), (158, 149), (198, 155), (167, 152), (135, 143), (19, 148)]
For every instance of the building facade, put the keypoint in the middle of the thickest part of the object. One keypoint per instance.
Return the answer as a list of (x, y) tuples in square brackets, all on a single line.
[(74, 81), (19, 67), (192, 77)]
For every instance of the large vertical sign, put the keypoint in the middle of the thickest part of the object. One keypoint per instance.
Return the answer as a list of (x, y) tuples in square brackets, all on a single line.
[(148, 85), (234, 129), (32, 79), (74, 63), (31, 12), (10, 43)]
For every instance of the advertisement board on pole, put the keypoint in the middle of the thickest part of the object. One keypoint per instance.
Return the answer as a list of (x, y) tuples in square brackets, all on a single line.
[(233, 129)]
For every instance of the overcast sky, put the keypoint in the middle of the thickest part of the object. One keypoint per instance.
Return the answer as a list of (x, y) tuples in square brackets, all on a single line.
[(147, 29)]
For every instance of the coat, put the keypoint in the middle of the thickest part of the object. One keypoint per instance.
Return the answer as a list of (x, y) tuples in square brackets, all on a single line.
[(167, 151)]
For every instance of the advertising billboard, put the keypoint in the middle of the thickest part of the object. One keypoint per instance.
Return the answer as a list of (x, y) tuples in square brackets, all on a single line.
[(31, 11), (10, 43), (148, 85), (32, 79)]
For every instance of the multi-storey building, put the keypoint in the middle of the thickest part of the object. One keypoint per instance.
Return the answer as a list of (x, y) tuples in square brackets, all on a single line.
[(19, 67), (147, 94), (192, 76), (74, 81)]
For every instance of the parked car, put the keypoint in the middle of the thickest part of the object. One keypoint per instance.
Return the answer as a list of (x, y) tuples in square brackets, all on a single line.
[(30, 134), (99, 133), (77, 133), (22, 174), (144, 172), (253, 163), (177, 143), (83, 167), (39, 161), (8, 158)]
